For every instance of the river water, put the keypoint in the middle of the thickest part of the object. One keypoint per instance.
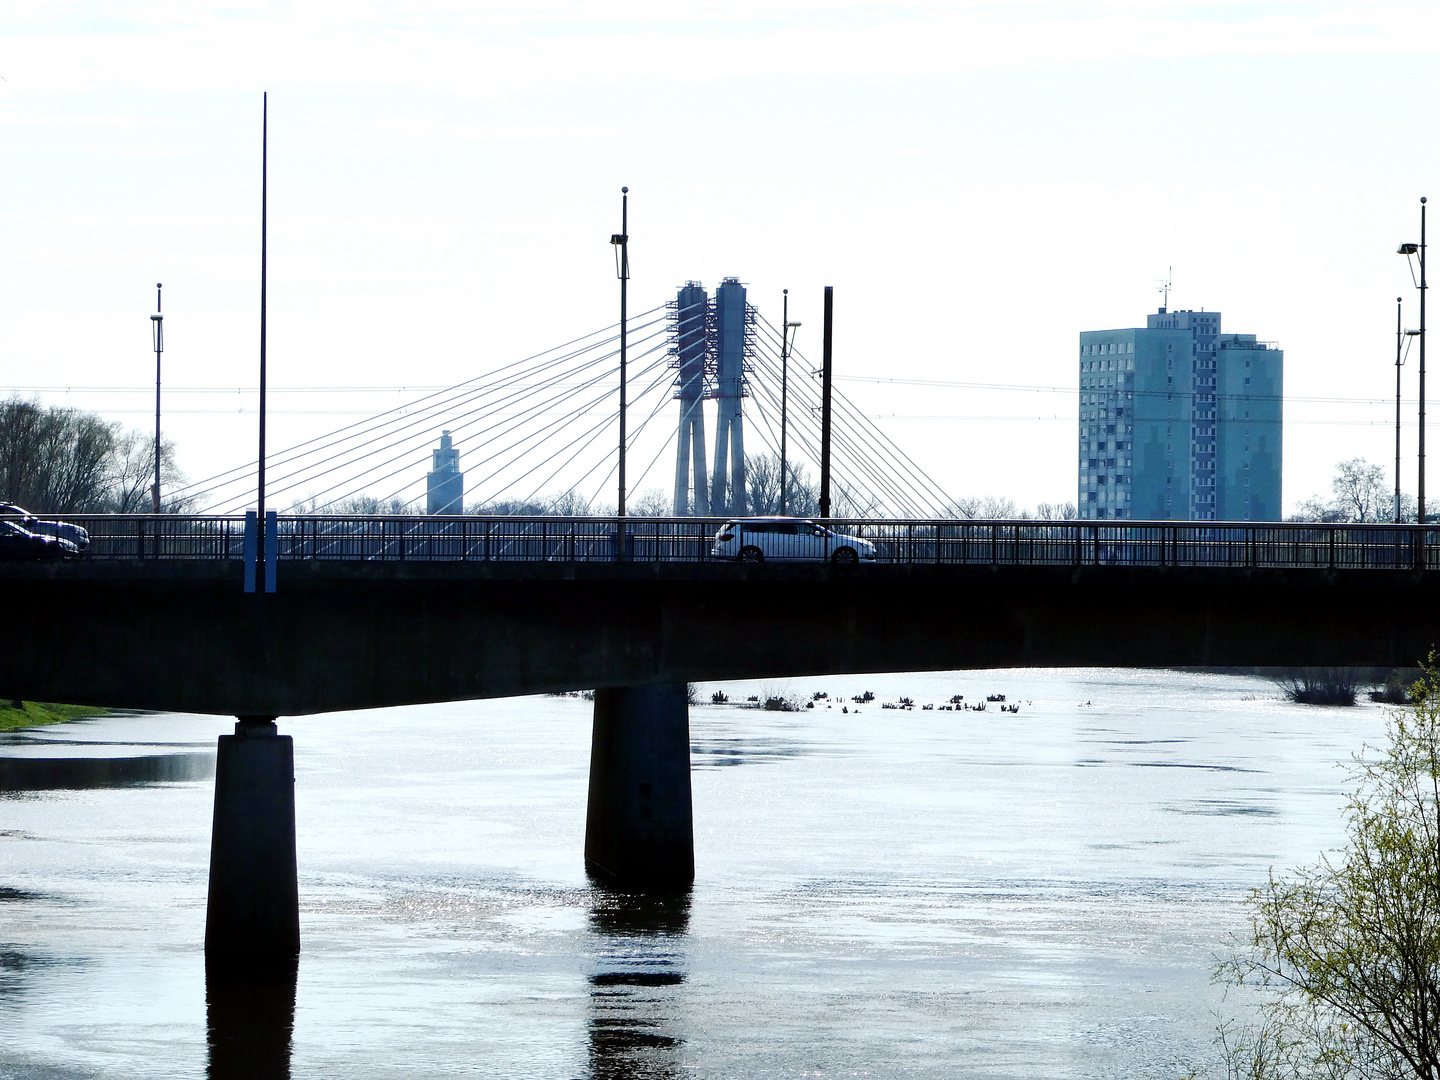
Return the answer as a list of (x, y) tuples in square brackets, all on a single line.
[(878, 893)]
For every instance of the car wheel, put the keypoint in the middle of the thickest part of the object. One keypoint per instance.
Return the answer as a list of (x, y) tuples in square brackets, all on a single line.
[(845, 557), (751, 554)]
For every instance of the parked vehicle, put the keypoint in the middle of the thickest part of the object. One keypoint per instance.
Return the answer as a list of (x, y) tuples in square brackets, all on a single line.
[(19, 544), (61, 530), (787, 539)]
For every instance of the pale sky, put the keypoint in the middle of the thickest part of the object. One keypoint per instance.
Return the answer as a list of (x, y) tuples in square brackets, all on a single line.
[(978, 181)]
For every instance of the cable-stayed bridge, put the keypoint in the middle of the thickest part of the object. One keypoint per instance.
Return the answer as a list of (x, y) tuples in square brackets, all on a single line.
[(322, 611), (540, 434)]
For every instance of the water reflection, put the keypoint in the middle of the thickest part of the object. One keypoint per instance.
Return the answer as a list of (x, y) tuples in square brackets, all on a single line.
[(635, 995), (718, 751), (79, 773), (249, 1020)]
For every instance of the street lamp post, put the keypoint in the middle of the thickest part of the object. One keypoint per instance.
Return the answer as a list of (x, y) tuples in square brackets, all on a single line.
[(825, 373), (1408, 250), (785, 327), (621, 242), (157, 334), (1399, 337)]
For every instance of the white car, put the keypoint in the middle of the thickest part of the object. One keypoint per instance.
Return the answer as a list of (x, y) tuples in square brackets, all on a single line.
[(782, 538)]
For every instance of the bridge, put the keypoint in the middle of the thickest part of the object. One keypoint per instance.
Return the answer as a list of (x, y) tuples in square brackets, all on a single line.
[(323, 609), (384, 611), (378, 611)]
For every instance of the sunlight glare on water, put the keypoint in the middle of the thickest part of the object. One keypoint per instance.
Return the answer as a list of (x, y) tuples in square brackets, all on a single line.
[(879, 892)]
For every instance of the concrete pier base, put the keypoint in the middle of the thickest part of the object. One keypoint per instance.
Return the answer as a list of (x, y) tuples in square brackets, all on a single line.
[(253, 917), (639, 831)]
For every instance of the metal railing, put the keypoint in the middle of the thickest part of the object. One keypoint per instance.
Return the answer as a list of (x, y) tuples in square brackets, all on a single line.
[(947, 542)]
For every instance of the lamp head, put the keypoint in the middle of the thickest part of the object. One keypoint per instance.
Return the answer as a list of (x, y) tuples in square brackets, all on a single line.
[(1407, 249)]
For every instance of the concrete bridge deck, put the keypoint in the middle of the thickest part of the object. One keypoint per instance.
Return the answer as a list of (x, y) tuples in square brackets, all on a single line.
[(182, 635), (391, 612)]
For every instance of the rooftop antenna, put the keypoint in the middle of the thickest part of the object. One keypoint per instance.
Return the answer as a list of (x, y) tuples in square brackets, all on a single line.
[(1164, 290)]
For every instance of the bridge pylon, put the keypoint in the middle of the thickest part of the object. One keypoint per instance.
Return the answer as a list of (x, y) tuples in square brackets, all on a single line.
[(691, 349), (733, 324)]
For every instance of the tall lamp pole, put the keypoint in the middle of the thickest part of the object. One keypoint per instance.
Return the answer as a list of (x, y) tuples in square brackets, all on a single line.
[(157, 334), (785, 327), (825, 404), (1399, 338), (1408, 250), (264, 211), (621, 242)]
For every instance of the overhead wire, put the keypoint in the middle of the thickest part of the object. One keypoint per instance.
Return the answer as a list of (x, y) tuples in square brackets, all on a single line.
[(899, 459), (884, 466), (507, 448), (426, 424), (429, 404)]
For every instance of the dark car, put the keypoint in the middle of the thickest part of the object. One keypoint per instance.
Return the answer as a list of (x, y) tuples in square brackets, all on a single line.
[(17, 544), (60, 530)]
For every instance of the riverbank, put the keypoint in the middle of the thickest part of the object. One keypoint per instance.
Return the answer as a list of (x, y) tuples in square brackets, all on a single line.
[(35, 713)]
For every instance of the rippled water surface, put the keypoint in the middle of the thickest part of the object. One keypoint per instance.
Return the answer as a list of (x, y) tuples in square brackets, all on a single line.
[(879, 893)]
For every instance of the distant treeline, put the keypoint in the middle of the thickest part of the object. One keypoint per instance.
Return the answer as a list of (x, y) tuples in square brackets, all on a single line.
[(56, 460)]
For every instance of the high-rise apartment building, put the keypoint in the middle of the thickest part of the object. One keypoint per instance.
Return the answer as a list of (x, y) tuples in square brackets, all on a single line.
[(1179, 421)]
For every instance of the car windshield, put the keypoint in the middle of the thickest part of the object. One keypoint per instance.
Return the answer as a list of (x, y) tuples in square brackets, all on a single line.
[(12, 528)]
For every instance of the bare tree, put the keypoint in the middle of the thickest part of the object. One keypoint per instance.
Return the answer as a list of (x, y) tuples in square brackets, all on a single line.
[(133, 473), (568, 503), (965, 507), (1358, 493), (991, 506), (651, 503), (57, 460), (1358, 489), (1056, 511), (762, 478)]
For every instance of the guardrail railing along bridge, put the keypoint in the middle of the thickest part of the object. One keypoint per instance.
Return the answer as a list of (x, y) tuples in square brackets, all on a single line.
[(961, 542)]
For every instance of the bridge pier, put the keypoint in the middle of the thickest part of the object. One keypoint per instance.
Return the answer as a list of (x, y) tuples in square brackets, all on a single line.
[(252, 919), (639, 832)]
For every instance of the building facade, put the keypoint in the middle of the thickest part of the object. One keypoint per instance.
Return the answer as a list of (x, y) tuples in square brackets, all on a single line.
[(1179, 421), (445, 483)]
